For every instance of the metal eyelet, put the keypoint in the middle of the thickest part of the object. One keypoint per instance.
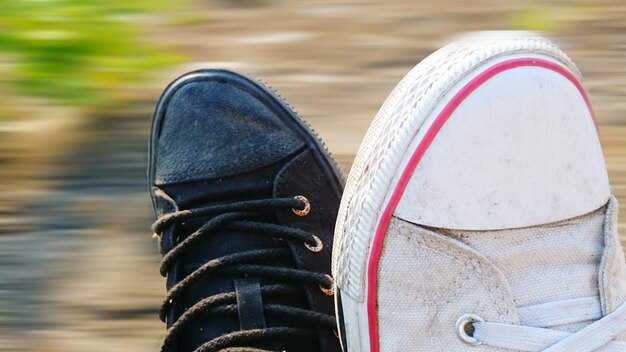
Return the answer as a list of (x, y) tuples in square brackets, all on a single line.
[(329, 291), (307, 206), (465, 328), (319, 245)]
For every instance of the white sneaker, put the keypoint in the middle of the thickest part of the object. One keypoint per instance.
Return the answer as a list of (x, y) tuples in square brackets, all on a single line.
[(478, 214)]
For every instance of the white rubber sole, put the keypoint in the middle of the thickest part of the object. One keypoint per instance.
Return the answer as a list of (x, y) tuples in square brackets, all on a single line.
[(402, 123)]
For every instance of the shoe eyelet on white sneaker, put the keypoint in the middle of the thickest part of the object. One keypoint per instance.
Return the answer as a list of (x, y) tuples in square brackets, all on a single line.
[(307, 206), (465, 328)]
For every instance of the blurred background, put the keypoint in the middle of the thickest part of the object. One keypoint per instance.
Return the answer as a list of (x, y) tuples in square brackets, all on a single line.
[(78, 83)]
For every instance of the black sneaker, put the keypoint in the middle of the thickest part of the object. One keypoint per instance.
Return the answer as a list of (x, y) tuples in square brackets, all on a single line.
[(246, 198)]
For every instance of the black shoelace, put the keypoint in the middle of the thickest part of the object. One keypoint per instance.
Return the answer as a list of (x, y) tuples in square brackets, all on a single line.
[(238, 216)]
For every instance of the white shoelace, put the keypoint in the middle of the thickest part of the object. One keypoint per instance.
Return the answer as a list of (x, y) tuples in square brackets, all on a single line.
[(534, 335)]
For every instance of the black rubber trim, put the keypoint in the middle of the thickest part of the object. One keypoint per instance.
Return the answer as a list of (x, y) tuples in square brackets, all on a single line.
[(340, 319)]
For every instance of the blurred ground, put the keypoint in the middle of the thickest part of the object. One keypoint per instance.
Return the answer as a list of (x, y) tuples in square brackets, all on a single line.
[(78, 270)]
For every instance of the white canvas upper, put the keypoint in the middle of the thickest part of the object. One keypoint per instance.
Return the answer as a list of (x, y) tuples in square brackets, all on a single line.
[(481, 189), (489, 275)]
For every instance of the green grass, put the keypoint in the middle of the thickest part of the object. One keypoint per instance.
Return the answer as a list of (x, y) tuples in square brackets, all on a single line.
[(78, 52), (539, 19), (553, 18)]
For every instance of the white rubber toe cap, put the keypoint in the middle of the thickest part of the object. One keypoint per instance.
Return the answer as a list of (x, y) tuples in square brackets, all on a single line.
[(512, 145)]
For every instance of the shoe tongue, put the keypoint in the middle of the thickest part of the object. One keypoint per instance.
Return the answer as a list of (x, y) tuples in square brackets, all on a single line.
[(546, 263), (256, 185)]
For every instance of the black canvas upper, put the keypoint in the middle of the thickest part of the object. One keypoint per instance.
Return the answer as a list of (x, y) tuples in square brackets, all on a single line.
[(227, 159)]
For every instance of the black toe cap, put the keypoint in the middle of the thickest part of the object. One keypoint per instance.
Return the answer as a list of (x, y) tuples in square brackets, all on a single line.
[(212, 128)]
